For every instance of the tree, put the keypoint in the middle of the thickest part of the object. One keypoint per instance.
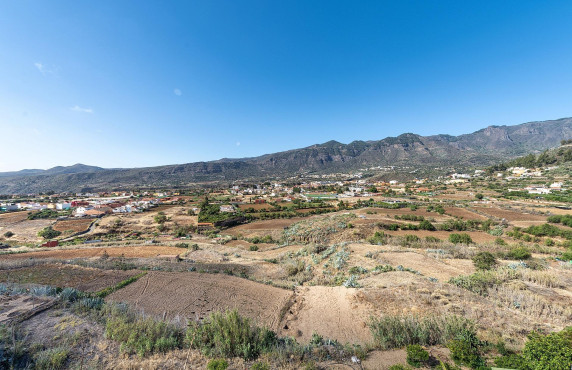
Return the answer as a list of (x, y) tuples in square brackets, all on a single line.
[(49, 233), (479, 196)]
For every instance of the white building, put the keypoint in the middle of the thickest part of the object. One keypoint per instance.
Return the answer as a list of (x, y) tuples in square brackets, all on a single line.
[(62, 206)]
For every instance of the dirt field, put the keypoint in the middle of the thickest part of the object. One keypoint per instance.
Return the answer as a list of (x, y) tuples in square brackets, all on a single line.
[(88, 280), (333, 312), (464, 213), (510, 215), (193, 296), (131, 251), (25, 231), (278, 224), (255, 206), (144, 222), (75, 226), (443, 269)]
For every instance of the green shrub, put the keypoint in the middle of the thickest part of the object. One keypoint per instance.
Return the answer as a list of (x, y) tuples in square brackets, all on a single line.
[(260, 366), (519, 253), (426, 225), (466, 349), (462, 238), (479, 282), (379, 238), (160, 218), (432, 239), (217, 364), (500, 241), (53, 358), (142, 336), (399, 331), (549, 242), (484, 261), (8, 234), (416, 355), (398, 367), (182, 231), (253, 248), (410, 238), (229, 335), (549, 352), (511, 361), (566, 256)]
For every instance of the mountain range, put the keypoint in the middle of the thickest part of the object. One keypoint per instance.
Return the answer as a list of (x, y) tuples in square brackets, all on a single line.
[(480, 148)]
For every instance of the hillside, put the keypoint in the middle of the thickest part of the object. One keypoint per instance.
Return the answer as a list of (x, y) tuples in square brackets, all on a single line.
[(481, 148)]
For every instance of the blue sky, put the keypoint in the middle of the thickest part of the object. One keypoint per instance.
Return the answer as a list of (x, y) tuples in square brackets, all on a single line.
[(142, 83)]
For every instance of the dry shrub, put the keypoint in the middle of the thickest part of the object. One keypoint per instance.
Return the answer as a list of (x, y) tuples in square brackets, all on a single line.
[(531, 303), (544, 278)]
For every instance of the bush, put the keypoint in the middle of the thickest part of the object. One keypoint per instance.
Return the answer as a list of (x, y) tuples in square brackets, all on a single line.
[(160, 218), (519, 253), (379, 238), (54, 358), (426, 225), (549, 242), (567, 256), (398, 367), (432, 239), (416, 355), (253, 248), (142, 336), (260, 366), (8, 234), (229, 335), (462, 238), (465, 349), (479, 282), (217, 364), (48, 233), (410, 238), (484, 261), (399, 331), (500, 241), (552, 351), (511, 361)]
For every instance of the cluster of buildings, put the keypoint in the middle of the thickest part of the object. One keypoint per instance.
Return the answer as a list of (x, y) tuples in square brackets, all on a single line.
[(81, 208)]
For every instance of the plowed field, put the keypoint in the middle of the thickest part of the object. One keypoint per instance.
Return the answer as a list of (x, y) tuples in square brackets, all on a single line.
[(88, 280), (137, 251), (193, 296)]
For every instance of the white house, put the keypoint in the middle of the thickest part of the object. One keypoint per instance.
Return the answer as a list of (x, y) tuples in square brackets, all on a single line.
[(80, 211), (62, 206)]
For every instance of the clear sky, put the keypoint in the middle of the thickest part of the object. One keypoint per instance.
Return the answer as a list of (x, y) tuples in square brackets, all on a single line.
[(142, 83)]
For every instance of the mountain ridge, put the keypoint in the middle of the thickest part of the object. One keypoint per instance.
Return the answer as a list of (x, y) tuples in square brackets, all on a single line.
[(480, 148)]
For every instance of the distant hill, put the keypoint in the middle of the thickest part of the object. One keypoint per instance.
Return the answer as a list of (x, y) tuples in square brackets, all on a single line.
[(76, 168), (481, 148)]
